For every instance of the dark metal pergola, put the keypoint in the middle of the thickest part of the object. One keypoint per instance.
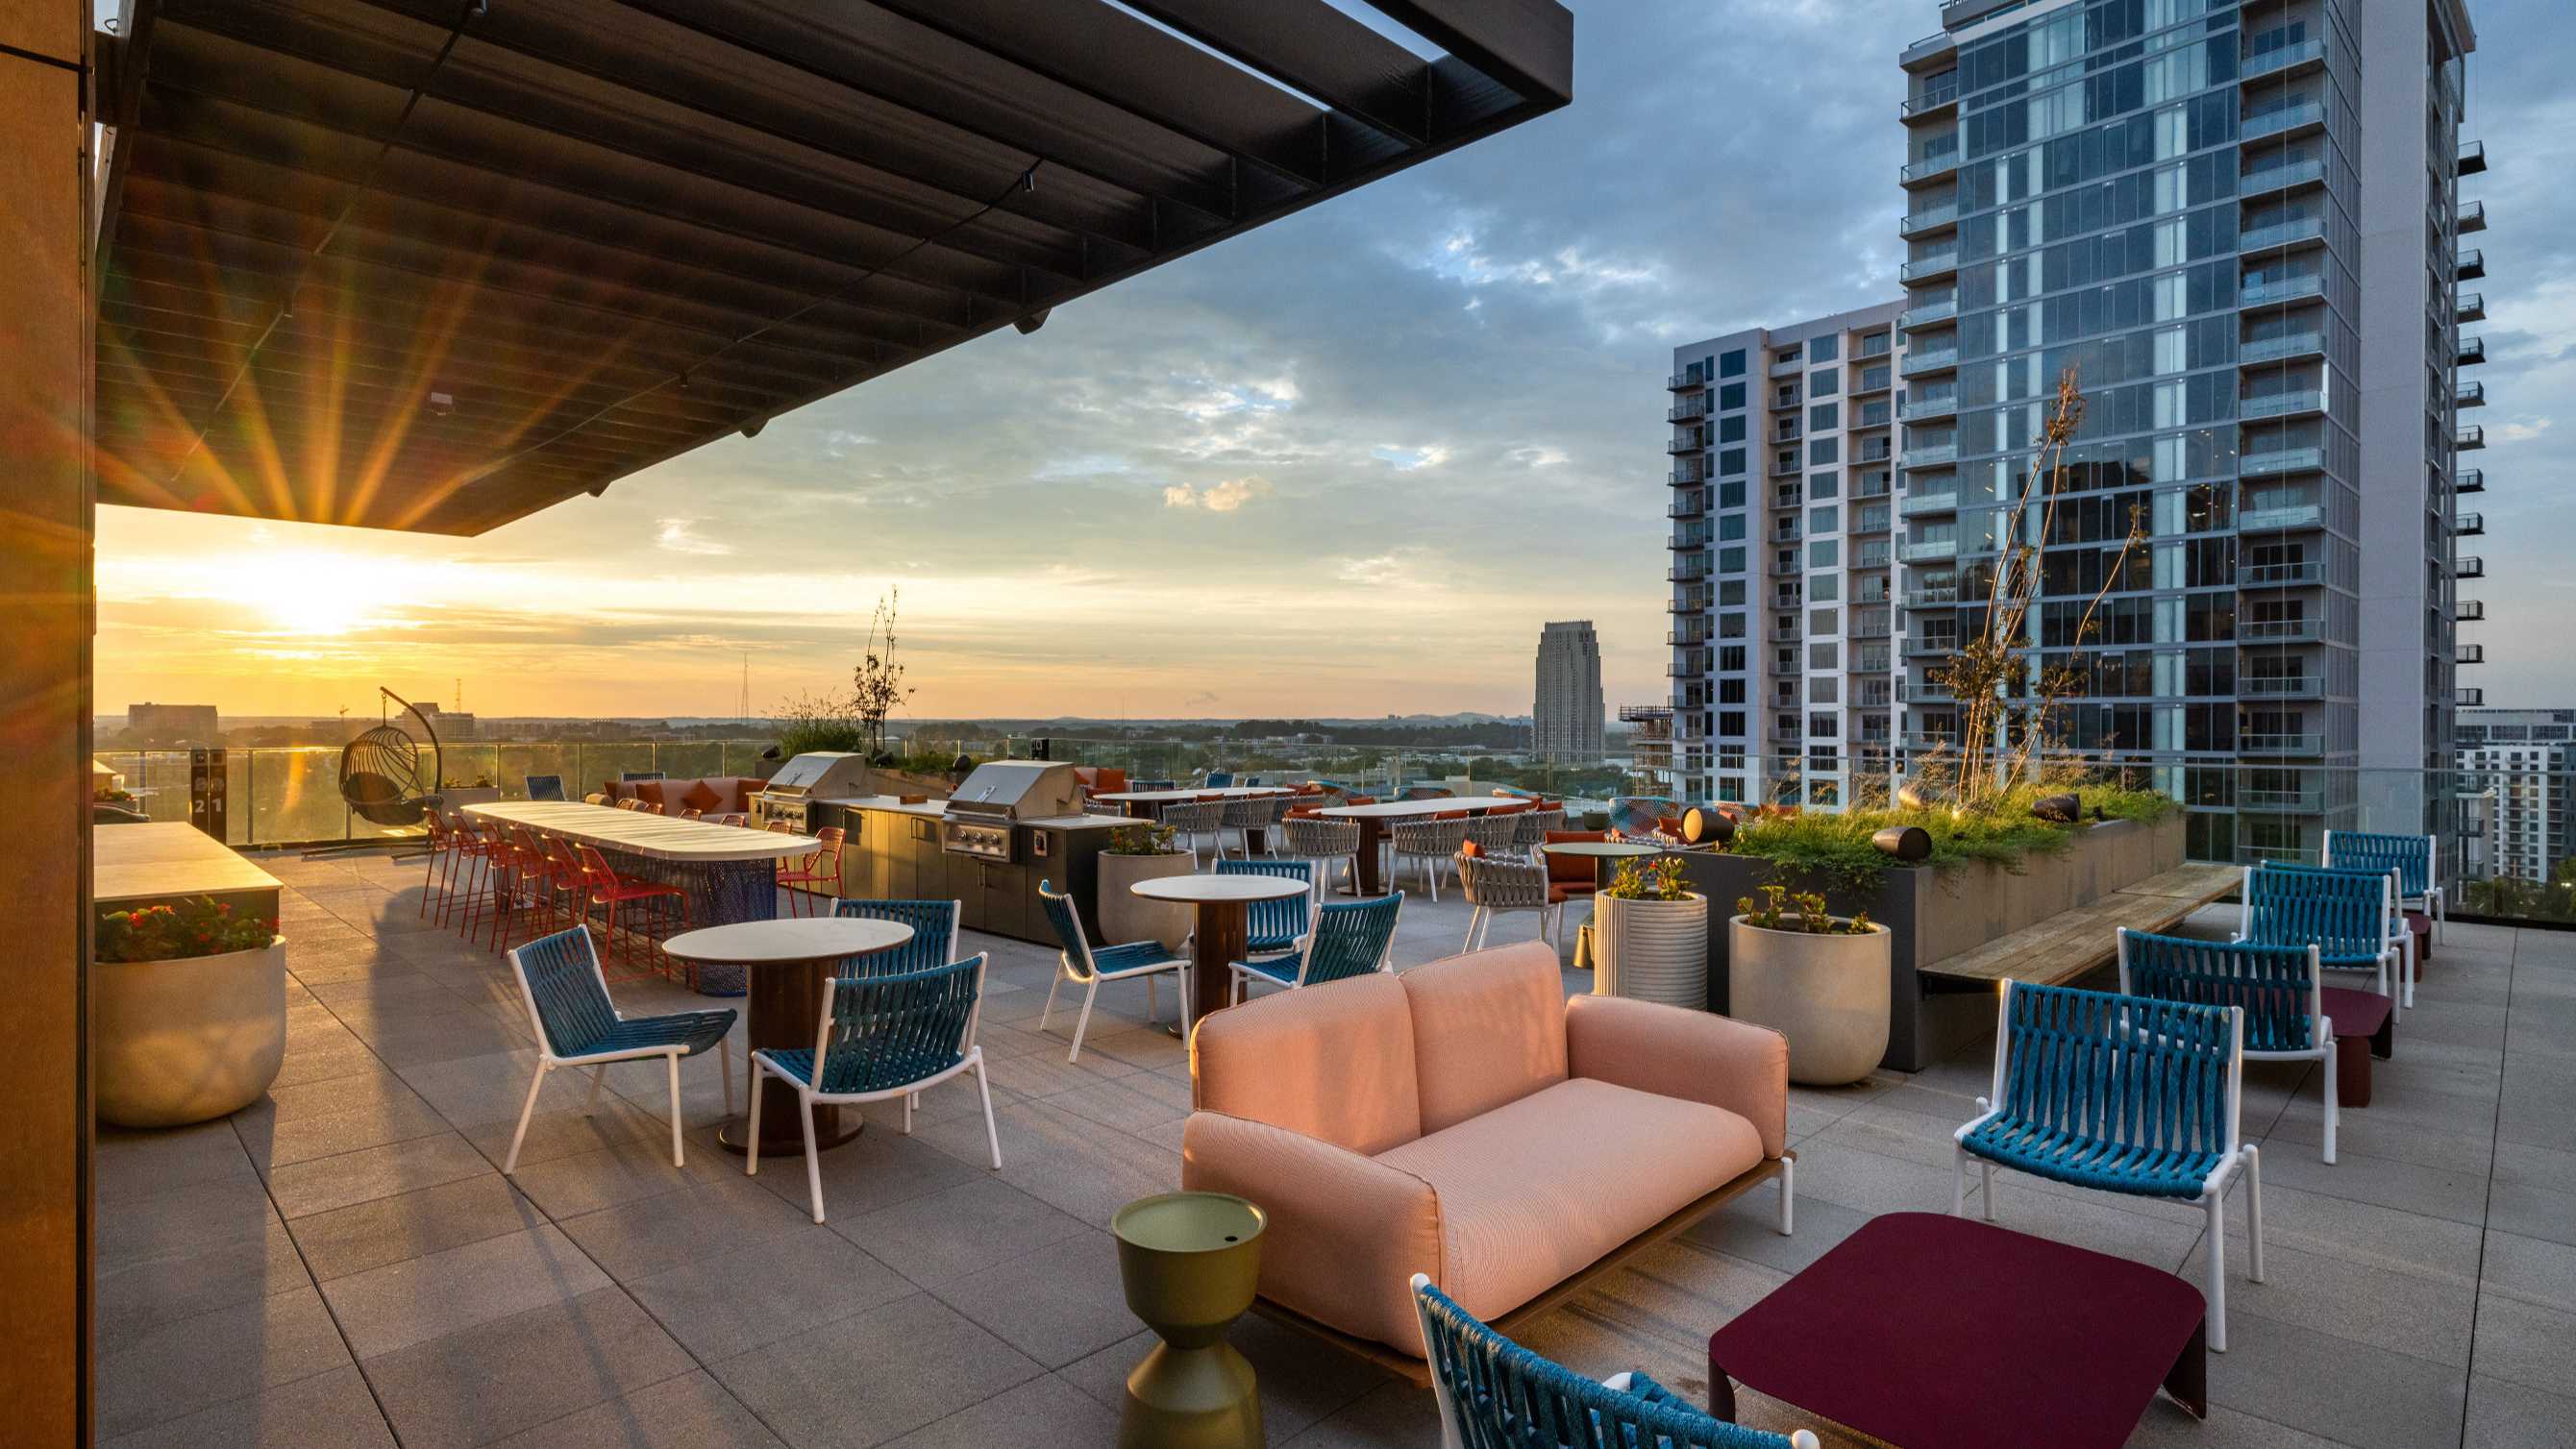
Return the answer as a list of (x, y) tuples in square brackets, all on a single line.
[(437, 264)]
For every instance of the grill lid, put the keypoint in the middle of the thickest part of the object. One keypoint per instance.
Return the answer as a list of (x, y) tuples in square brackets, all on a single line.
[(819, 772), (1016, 790)]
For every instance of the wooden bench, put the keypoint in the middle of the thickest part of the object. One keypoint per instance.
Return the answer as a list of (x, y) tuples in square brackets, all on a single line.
[(2073, 944)]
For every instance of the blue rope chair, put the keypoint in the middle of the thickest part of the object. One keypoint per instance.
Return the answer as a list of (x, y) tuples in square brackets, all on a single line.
[(1349, 938), (579, 1026), (2281, 990), (1495, 1394), (1217, 779), (1277, 927), (2350, 916), (1086, 967), (882, 1037), (2419, 880), (545, 787), (933, 943), (2125, 1094)]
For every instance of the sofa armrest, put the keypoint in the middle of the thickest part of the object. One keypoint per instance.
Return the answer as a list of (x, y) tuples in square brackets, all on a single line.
[(1346, 1232), (1697, 1056)]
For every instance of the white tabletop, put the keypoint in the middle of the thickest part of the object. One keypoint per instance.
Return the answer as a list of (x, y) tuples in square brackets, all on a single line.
[(1397, 809), (1206, 889), (659, 836), (1124, 797), (787, 940)]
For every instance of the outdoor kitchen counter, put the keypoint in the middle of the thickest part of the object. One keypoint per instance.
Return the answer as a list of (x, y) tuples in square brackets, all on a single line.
[(895, 851)]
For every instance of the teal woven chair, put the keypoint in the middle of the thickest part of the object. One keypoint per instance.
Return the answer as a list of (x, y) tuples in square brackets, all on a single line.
[(2418, 867), (1495, 1394), (2281, 990), (2125, 1094), (2350, 916), (579, 1026), (1277, 928), (934, 935), (1088, 968), (882, 1038), (1349, 938)]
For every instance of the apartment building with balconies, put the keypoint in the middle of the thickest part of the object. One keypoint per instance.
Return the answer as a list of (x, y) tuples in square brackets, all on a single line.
[(2516, 779), (1783, 518), (2239, 225)]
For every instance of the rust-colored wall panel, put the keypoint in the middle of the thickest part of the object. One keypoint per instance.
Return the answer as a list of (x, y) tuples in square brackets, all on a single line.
[(45, 574)]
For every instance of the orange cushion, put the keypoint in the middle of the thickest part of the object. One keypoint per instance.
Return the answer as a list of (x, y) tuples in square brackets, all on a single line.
[(1488, 1028), (702, 796), (1471, 848)]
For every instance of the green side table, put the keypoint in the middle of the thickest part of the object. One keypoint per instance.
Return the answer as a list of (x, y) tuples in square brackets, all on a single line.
[(1191, 1262)]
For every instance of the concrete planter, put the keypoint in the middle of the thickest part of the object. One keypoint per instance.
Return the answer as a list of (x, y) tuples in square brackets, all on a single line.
[(1651, 950), (1932, 915), (1827, 994), (1125, 916), (174, 1042)]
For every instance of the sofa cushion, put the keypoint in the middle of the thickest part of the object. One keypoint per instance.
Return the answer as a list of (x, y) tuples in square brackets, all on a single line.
[(1334, 1062), (703, 796), (1535, 1190), (1488, 1028)]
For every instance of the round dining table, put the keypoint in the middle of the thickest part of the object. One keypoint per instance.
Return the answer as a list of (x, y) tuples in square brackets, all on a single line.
[(1602, 849), (788, 959), (1224, 919)]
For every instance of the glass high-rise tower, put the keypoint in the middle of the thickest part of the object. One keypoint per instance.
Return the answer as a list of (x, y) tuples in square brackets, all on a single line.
[(2239, 225)]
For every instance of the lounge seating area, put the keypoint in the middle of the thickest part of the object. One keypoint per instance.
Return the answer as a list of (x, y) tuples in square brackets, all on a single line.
[(347, 1262)]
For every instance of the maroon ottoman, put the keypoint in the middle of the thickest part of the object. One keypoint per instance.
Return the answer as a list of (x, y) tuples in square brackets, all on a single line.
[(2364, 1027), (1937, 1332)]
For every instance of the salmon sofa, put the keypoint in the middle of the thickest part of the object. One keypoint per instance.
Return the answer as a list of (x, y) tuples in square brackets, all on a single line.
[(1466, 1120)]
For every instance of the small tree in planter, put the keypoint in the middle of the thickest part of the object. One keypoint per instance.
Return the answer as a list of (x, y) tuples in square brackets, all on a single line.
[(1818, 979), (188, 1009), (1141, 852), (1650, 935)]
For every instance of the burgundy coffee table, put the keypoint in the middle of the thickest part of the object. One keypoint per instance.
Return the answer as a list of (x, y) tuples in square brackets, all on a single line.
[(1935, 1332)]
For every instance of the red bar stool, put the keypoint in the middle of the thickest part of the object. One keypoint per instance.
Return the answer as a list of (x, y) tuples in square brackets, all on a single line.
[(604, 887), (821, 869)]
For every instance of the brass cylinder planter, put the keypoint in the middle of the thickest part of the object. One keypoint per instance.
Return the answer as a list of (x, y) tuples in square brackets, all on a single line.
[(1191, 1262)]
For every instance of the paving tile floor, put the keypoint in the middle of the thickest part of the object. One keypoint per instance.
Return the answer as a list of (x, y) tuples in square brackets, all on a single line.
[(344, 1264)]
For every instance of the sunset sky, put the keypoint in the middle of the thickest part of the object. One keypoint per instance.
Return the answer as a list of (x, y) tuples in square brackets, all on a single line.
[(1346, 465)]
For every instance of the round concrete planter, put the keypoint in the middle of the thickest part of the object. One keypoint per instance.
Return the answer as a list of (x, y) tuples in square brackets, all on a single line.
[(183, 1041), (1827, 994), (1651, 950), (1125, 916)]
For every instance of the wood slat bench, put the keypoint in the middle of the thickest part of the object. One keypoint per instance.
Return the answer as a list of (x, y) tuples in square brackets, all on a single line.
[(2073, 944)]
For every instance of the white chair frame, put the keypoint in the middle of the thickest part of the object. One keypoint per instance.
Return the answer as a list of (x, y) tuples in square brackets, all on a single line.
[(1090, 977), (2238, 1157), (810, 1091), (2322, 1031), (599, 1062)]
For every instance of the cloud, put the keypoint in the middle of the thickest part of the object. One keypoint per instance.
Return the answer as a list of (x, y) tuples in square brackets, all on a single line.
[(2522, 430), (680, 535), (1407, 460), (1536, 455), (1223, 497)]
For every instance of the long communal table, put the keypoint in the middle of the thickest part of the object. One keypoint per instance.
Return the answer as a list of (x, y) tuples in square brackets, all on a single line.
[(728, 873), (2073, 944), (1373, 820)]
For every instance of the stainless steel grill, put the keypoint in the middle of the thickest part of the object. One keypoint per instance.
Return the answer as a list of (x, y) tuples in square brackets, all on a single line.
[(1000, 795), (820, 775)]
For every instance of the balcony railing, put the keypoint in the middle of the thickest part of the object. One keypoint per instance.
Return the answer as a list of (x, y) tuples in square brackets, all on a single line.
[(1928, 218), (2472, 307), (1924, 693), (2471, 264), (1925, 503), (1946, 598), (2283, 460), (2469, 480), (2469, 654), (1931, 99), (1935, 359), (2473, 158), (2278, 631), (2473, 217), (2281, 802), (1928, 167), (1689, 505), (1924, 407), (2281, 405), (2281, 121), (2281, 177), (1685, 381), (2288, 289), (1933, 456), (2280, 58), (2469, 566), (2469, 698), (2469, 395), (2469, 525), (2473, 350), (2292, 686), (1688, 412), (2280, 744), (1925, 268), (2469, 611), (2274, 575), (2282, 233), (2278, 349), (2470, 440), (1927, 314)]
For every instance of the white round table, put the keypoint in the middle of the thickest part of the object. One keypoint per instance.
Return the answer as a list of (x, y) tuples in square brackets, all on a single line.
[(787, 960), (1224, 916)]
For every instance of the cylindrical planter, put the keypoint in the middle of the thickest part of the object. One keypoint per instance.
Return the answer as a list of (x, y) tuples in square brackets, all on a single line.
[(174, 1042), (1126, 916), (1651, 950), (1828, 995)]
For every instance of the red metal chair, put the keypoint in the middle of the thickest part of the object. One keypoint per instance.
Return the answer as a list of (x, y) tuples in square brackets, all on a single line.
[(602, 886), (734, 818), (820, 870), (486, 844)]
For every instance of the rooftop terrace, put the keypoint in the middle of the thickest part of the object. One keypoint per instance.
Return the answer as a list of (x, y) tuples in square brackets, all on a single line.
[(344, 1264)]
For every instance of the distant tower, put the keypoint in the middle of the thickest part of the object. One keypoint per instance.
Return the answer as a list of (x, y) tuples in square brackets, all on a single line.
[(1567, 712)]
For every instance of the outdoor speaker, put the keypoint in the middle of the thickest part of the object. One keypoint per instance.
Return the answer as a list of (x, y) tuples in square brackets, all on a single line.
[(1905, 842), (2060, 809)]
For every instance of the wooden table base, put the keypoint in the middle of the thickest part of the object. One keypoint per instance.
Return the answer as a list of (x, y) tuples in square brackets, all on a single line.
[(1222, 939), (785, 1010)]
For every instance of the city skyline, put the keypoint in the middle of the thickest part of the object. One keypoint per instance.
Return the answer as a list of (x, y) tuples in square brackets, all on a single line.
[(1391, 527)]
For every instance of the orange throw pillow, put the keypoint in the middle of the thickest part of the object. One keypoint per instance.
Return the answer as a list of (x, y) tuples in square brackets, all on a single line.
[(702, 796)]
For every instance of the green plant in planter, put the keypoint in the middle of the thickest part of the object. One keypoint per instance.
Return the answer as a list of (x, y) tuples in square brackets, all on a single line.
[(202, 927), (1145, 837), (1811, 918), (1640, 879)]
